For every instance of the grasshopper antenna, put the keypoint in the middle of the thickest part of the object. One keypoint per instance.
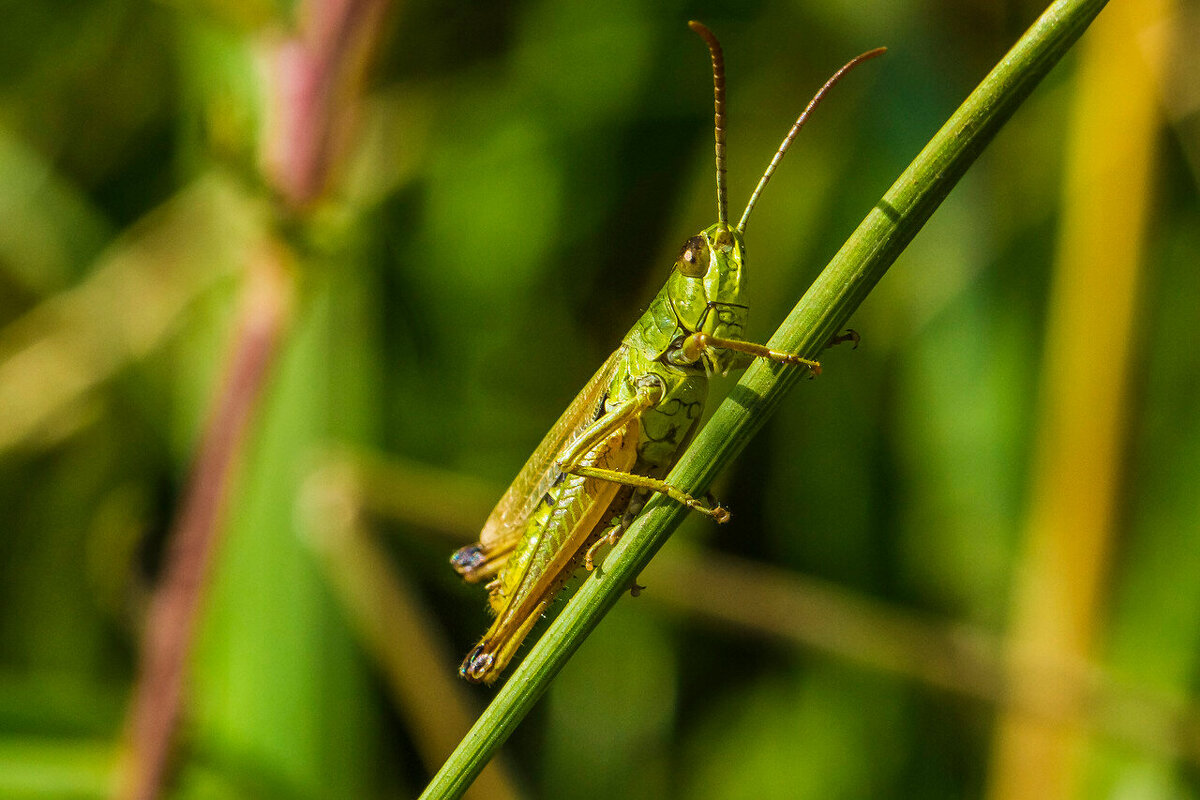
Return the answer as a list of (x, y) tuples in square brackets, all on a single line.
[(803, 118), (718, 63)]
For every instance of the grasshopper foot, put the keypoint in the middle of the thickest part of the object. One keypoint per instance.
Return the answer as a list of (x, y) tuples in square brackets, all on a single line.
[(708, 506), (715, 509), (850, 335), (589, 561)]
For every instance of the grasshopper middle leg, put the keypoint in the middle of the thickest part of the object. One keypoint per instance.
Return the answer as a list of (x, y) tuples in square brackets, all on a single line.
[(628, 413)]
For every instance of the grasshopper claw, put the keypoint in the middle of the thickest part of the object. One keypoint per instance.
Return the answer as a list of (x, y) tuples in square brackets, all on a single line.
[(589, 561), (850, 335)]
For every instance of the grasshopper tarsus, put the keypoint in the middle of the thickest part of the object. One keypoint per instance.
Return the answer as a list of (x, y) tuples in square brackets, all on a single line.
[(589, 560), (719, 513), (795, 360), (714, 509), (814, 367), (850, 335)]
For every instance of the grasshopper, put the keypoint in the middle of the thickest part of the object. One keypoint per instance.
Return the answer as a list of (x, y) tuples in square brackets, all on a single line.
[(611, 448)]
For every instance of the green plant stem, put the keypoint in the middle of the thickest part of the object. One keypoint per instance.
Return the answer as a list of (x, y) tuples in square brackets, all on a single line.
[(821, 313)]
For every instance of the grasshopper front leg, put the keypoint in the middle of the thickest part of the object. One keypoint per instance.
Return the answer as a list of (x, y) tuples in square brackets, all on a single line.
[(695, 345)]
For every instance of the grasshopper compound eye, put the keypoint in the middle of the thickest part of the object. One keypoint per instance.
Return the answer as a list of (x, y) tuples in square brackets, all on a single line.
[(693, 258)]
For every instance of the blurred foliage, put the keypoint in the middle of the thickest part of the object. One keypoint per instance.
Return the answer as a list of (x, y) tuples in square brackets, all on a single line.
[(516, 181)]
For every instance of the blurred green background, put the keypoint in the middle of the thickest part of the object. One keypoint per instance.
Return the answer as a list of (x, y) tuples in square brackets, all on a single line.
[(499, 192)]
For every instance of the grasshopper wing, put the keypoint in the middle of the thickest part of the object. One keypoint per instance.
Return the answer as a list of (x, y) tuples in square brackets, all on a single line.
[(507, 521), (550, 550)]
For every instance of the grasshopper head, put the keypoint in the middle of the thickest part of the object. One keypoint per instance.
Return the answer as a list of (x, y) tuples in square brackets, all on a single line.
[(706, 285), (705, 288)]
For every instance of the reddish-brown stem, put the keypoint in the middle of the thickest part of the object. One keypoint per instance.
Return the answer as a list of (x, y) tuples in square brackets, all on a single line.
[(171, 619), (315, 77)]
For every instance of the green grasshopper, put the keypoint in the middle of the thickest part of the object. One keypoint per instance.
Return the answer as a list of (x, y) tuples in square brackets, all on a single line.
[(611, 448)]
